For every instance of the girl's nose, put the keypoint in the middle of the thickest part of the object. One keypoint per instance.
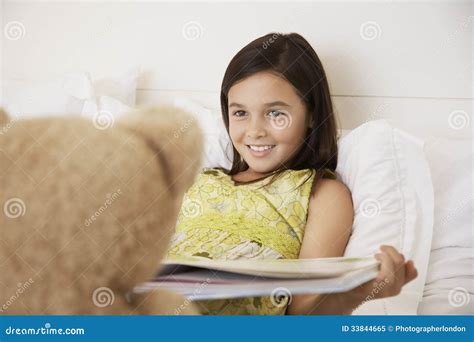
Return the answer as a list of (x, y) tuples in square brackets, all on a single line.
[(256, 129), (256, 132)]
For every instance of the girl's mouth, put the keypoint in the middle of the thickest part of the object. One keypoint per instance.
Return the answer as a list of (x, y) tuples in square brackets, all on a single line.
[(260, 151)]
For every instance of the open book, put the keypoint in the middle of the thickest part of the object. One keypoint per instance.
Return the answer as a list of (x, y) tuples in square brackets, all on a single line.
[(200, 278)]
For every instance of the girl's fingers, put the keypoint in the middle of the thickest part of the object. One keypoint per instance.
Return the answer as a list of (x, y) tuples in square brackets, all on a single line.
[(399, 263), (397, 257), (387, 267), (394, 270), (410, 271)]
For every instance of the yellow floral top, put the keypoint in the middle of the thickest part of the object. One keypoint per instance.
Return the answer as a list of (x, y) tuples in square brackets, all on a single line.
[(222, 220)]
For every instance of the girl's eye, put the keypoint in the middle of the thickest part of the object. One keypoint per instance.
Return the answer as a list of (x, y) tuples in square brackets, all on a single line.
[(275, 113), (238, 113)]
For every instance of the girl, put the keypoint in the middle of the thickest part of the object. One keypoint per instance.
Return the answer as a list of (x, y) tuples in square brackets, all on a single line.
[(280, 199)]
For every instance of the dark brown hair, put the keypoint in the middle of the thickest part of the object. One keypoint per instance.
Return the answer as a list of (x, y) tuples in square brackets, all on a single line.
[(293, 58)]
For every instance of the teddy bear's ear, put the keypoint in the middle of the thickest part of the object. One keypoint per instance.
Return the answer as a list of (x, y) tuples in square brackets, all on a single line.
[(175, 137), (3, 117)]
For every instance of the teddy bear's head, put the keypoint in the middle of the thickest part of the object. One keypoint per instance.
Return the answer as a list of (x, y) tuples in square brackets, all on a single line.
[(88, 208)]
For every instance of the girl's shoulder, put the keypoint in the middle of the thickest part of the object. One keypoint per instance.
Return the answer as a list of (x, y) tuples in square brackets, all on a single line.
[(326, 183), (327, 188)]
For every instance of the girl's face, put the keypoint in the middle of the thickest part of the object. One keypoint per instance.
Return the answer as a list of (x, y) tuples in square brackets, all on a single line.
[(267, 121)]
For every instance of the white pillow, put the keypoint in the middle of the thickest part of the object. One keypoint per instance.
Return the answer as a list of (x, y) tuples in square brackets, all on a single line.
[(73, 93), (217, 145), (27, 99), (449, 285), (111, 96), (389, 178)]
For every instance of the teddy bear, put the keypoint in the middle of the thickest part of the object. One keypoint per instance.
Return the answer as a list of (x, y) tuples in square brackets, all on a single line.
[(88, 207)]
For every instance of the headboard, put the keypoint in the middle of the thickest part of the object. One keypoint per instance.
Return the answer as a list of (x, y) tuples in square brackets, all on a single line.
[(383, 60)]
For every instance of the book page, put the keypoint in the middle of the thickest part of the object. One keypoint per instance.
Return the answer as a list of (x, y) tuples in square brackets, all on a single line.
[(280, 268)]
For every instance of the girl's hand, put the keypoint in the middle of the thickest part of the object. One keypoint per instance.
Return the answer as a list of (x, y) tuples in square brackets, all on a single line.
[(394, 274)]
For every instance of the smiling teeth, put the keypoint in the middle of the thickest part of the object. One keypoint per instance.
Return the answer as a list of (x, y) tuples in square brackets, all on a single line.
[(260, 148)]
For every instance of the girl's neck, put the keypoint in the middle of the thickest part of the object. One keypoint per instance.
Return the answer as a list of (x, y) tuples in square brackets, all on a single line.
[(249, 175)]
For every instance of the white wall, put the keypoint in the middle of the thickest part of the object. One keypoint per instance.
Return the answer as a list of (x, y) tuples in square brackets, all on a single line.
[(416, 71)]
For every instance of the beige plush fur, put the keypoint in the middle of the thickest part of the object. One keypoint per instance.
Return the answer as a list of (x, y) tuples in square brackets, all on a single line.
[(87, 213)]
